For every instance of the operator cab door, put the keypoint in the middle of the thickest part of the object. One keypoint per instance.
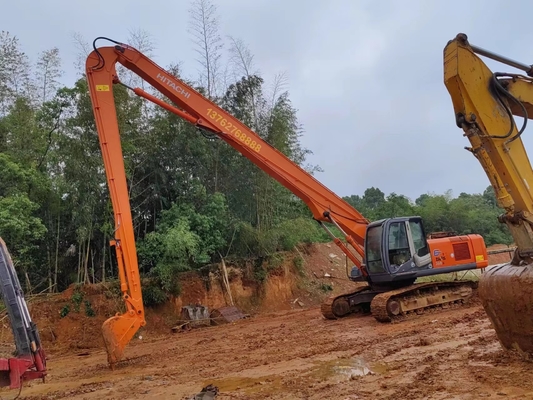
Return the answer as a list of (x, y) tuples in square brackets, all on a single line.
[(396, 246)]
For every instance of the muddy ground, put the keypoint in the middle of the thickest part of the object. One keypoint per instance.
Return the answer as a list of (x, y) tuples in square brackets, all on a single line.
[(299, 355), (290, 354)]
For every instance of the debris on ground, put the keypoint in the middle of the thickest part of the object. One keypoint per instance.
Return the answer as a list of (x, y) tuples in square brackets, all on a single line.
[(193, 317), (225, 315), (207, 393)]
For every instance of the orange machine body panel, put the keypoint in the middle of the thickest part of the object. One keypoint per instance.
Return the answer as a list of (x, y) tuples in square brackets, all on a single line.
[(459, 250)]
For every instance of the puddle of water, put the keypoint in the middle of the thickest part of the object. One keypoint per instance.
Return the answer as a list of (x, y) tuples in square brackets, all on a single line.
[(267, 384), (338, 370), (346, 368)]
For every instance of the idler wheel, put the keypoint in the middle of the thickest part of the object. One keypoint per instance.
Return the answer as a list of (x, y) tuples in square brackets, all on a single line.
[(393, 307), (341, 307)]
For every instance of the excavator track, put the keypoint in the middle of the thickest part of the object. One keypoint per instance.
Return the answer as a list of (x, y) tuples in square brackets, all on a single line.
[(342, 304), (399, 304)]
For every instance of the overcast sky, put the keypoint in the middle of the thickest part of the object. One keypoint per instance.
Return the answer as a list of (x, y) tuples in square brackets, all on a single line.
[(365, 76)]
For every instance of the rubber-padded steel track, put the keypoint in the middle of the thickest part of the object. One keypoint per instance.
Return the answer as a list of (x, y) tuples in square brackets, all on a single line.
[(417, 298)]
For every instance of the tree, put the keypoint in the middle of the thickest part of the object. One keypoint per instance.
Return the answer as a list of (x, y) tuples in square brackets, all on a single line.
[(48, 73), (194, 199), (203, 26), (15, 73)]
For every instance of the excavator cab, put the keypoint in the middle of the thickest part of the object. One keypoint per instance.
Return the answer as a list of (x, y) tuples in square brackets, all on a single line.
[(396, 249)]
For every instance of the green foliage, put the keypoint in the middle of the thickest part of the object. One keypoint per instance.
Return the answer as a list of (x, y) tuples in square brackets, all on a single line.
[(188, 235), (76, 300), (193, 197), (275, 261), (326, 287), (298, 263), (171, 251), (251, 242), (153, 295), (260, 273), (467, 213), (89, 311), (294, 231), (64, 311)]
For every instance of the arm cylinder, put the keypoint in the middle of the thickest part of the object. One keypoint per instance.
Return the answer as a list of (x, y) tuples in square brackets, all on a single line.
[(496, 57)]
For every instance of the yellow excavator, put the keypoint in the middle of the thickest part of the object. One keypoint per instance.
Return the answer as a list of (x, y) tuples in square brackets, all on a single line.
[(485, 104)]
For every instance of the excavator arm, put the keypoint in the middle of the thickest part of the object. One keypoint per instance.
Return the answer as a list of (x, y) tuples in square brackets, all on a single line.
[(484, 103), (29, 361), (190, 105)]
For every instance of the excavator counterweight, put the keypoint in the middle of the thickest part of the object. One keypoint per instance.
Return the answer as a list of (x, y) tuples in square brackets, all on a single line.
[(484, 103)]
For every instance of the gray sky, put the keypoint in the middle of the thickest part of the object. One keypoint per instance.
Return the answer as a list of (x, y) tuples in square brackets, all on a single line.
[(366, 76)]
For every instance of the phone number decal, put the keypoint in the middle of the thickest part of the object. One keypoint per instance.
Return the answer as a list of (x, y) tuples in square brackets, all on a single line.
[(228, 126)]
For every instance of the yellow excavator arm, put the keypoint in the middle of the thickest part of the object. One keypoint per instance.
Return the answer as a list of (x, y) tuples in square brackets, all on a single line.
[(485, 104)]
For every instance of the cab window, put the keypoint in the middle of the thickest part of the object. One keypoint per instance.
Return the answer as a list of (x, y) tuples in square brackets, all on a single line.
[(374, 261), (419, 240), (399, 251)]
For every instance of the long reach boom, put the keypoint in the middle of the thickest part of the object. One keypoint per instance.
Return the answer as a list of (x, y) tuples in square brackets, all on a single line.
[(389, 255), (325, 205)]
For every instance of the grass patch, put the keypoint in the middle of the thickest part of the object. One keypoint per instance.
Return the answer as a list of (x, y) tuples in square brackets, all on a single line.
[(472, 275)]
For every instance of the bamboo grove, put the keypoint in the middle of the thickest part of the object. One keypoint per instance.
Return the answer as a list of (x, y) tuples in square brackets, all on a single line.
[(194, 199)]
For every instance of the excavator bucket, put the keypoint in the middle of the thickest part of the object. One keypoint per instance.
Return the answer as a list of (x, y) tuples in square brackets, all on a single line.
[(195, 316), (117, 332), (506, 293)]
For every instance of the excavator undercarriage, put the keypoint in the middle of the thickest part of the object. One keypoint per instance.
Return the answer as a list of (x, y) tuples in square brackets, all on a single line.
[(352, 302), (397, 304)]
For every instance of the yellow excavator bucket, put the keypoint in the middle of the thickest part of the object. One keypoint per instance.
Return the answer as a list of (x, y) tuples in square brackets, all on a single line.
[(506, 293)]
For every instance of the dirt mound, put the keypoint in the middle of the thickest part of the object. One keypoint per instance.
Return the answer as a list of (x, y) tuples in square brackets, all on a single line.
[(326, 264), (294, 354), (500, 258), (70, 322)]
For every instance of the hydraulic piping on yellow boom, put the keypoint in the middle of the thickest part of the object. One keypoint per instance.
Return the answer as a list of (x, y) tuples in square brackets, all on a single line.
[(485, 104)]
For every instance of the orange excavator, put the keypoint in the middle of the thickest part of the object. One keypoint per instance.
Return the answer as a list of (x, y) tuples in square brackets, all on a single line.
[(388, 255), (484, 104)]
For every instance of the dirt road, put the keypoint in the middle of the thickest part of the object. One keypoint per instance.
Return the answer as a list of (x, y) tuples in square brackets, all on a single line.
[(299, 355)]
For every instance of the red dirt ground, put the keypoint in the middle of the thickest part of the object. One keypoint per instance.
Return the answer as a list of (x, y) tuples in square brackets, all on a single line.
[(299, 355), (291, 354), (501, 257)]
